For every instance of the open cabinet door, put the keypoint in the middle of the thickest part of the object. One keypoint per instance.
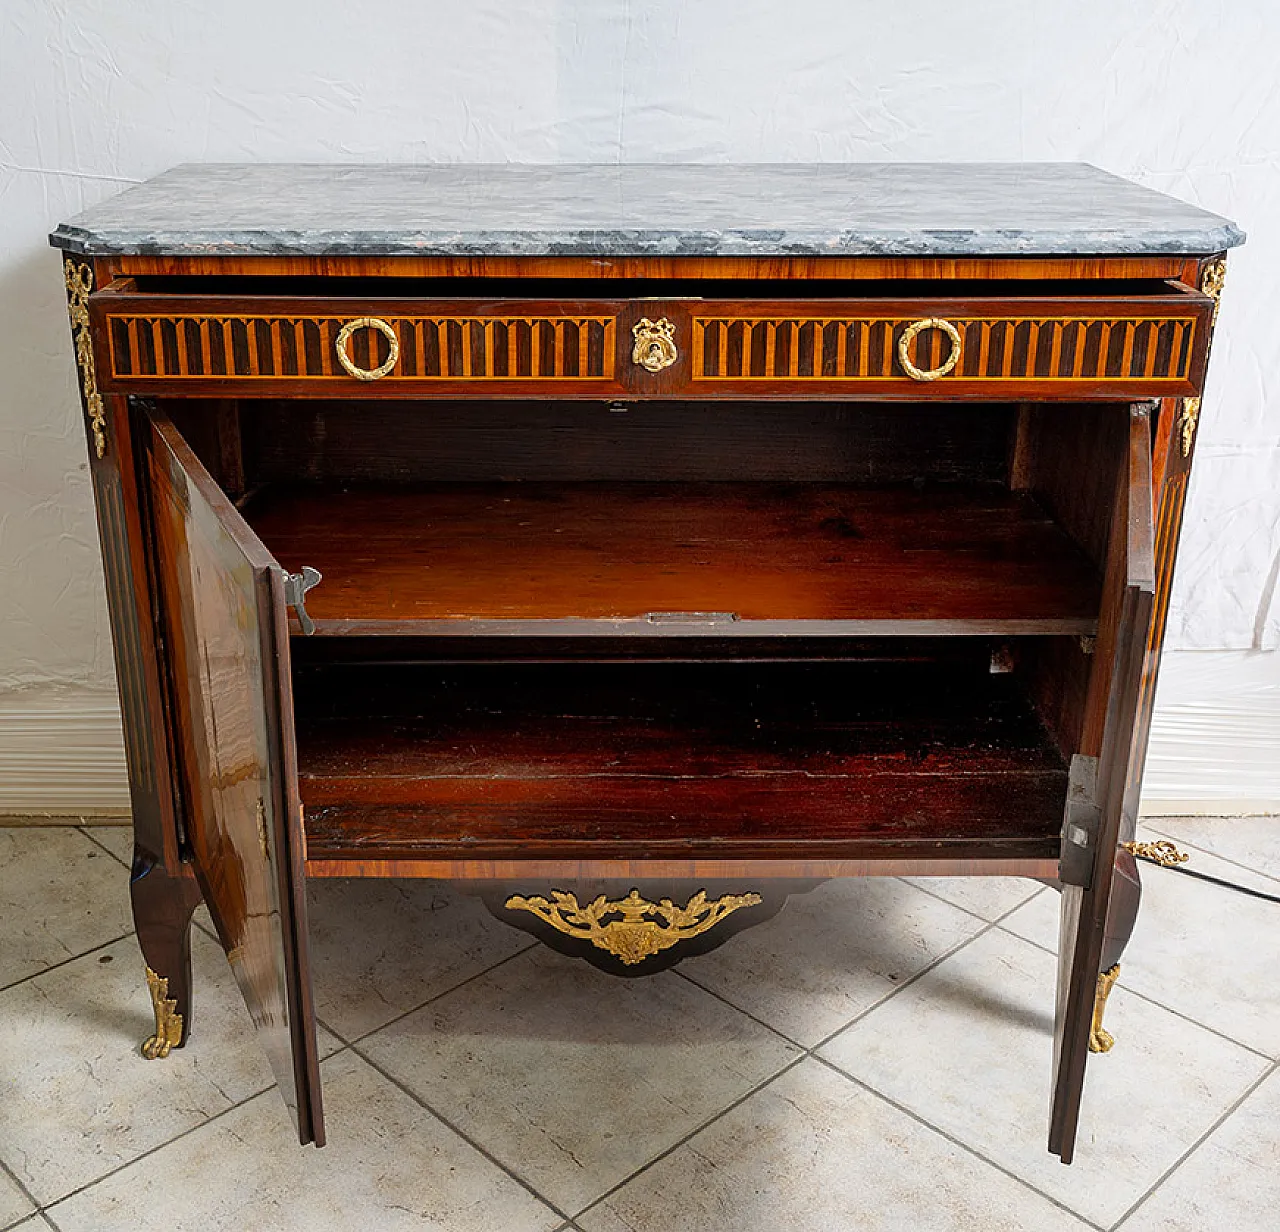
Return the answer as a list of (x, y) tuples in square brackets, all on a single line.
[(1095, 807), (225, 627)]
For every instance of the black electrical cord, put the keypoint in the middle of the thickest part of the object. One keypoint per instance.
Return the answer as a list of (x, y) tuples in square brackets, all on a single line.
[(1165, 855)]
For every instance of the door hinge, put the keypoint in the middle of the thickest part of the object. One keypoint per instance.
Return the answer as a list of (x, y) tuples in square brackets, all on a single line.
[(296, 586), (1080, 824)]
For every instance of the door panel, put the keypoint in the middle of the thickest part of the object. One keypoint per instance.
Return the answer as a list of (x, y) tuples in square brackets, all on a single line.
[(1084, 906), (225, 626)]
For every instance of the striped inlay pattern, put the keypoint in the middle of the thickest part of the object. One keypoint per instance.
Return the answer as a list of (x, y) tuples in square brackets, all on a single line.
[(1005, 349), (444, 348)]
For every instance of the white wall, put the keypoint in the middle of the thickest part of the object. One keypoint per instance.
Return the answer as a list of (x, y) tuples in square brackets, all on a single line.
[(96, 94)]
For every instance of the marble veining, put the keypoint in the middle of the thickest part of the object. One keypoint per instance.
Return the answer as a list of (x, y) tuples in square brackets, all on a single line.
[(830, 209)]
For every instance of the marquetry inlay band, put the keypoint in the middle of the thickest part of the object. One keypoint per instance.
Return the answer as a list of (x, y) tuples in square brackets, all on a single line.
[(196, 345), (992, 349)]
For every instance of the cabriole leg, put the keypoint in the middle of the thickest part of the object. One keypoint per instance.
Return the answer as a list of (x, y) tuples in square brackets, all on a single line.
[(162, 910)]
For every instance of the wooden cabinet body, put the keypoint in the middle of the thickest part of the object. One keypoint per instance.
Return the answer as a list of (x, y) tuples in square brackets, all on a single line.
[(651, 588)]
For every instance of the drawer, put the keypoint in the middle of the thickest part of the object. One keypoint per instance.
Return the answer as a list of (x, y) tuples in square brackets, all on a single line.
[(193, 343), (1130, 344)]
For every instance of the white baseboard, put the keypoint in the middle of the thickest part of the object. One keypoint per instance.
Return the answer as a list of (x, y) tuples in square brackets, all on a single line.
[(1215, 744), (62, 756)]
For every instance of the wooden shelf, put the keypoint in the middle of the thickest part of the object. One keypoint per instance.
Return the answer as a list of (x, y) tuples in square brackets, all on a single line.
[(654, 559), (697, 761)]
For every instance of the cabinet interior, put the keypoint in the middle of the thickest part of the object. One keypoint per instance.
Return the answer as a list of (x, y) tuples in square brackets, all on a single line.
[(631, 760), (736, 628)]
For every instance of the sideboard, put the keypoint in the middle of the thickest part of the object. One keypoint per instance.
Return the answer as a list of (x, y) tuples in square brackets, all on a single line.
[(637, 546)]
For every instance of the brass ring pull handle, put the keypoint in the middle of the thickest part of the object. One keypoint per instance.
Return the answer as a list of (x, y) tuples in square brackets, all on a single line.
[(354, 369), (655, 346), (908, 335)]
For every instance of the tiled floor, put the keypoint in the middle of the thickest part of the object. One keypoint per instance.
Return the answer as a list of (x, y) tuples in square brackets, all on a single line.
[(876, 1056)]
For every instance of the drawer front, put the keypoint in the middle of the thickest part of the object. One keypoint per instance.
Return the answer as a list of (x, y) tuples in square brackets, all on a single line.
[(1084, 347), (376, 348), (1068, 348)]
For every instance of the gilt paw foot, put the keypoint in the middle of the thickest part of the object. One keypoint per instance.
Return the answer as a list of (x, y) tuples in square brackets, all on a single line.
[(168, 1034), (1101, 1040)]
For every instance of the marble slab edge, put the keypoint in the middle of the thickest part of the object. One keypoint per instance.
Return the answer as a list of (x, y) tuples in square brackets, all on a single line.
[(682, 243)]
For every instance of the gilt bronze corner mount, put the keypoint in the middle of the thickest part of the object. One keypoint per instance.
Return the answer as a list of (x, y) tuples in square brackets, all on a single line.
[(79, 276)]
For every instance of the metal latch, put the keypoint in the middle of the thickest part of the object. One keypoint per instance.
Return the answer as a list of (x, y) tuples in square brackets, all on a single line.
[(1080, 824), (691, 618), (295, 586)]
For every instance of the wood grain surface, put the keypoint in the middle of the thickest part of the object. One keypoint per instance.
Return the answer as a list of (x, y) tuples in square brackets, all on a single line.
[(694, 761), (493, 558)]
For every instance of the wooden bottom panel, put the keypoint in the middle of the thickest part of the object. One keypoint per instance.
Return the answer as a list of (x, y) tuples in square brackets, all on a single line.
[(695, 761)]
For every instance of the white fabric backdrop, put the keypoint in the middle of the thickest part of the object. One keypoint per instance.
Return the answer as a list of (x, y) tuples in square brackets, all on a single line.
[(95, 94)]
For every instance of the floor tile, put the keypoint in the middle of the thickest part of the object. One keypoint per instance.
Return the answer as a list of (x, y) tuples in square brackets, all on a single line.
[(811, 1152), (202, 920), (116, 839), (14, 1204), (1037, 921), (573, 1078), (60, 820), (969, 1046), (1202, 950), (988, 897), (36, 1223), (1231, 1181), (832, 953), (1251, 841), (60, 895), (79, 1099), (389, 1165), (382, 948)]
